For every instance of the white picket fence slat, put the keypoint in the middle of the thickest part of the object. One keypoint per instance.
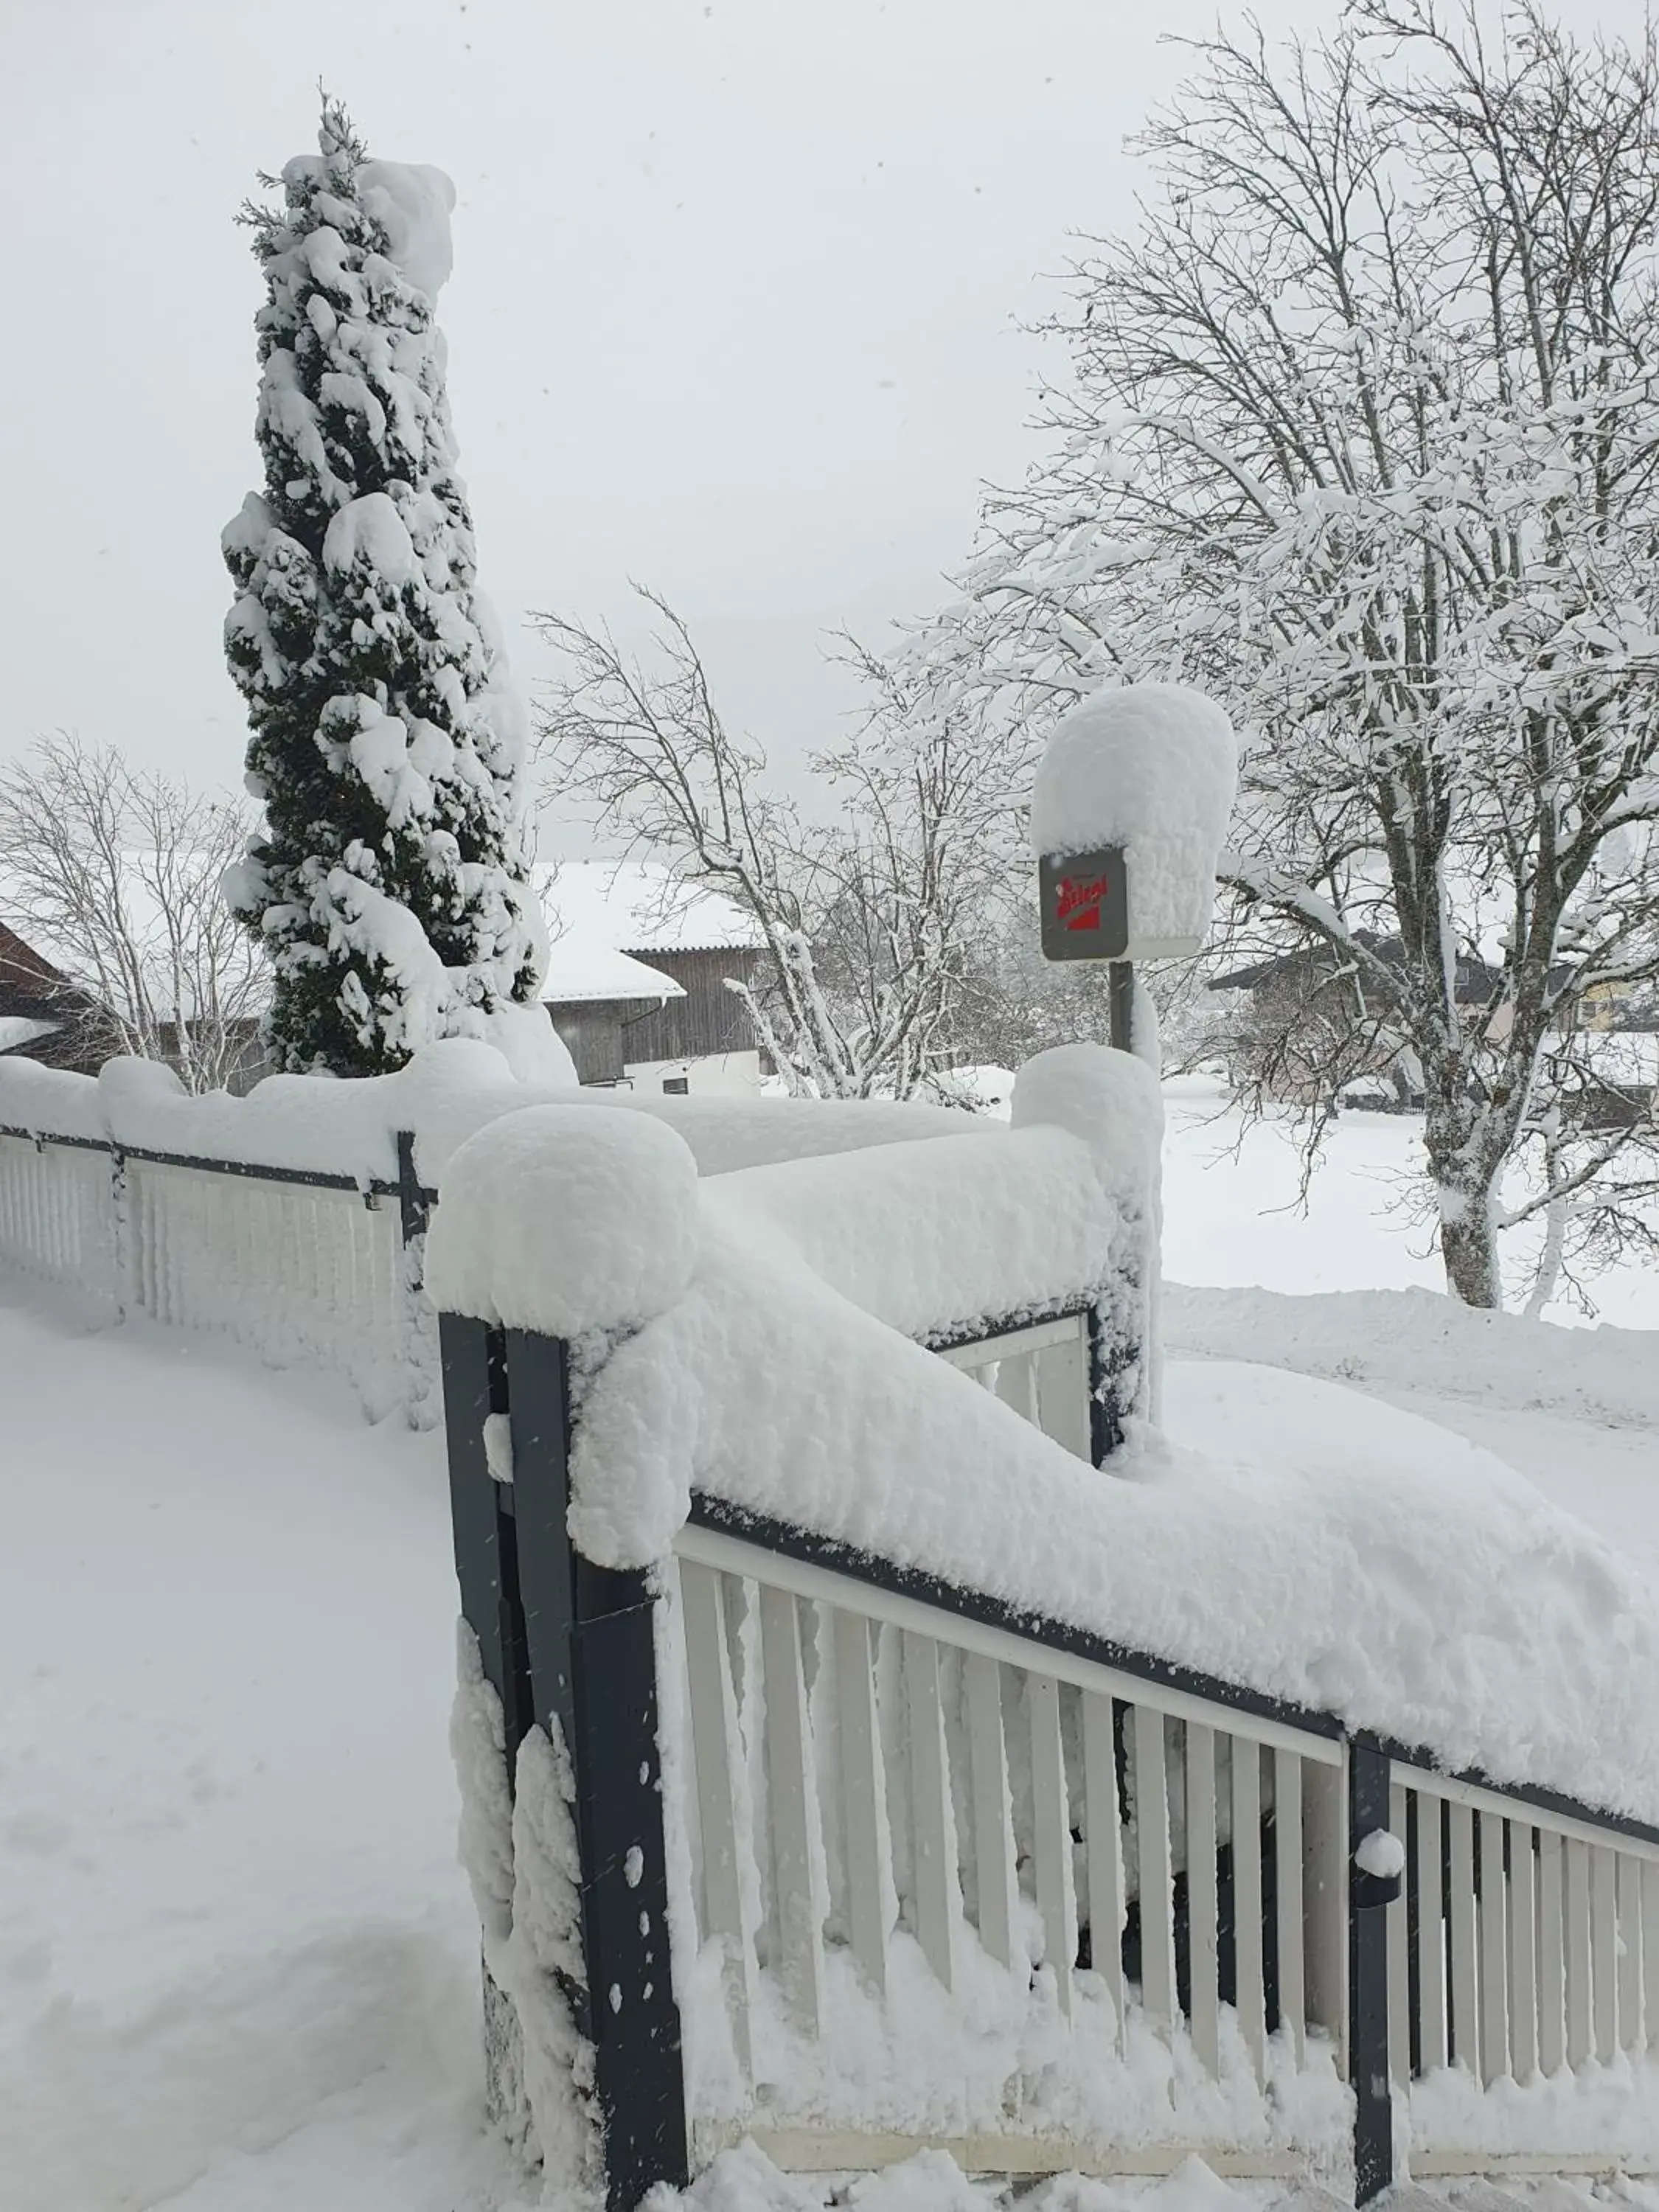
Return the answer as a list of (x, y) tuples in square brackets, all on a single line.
[(1547, 1924), (1052, 1826), (1248, 1976), (1016, 1786), (1105, 1840)]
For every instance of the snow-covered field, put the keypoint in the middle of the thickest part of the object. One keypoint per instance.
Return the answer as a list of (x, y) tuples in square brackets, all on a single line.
[(1232, 1214), (237, 1959)]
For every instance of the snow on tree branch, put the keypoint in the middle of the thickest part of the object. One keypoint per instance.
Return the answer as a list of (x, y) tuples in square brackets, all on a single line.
[(1362, 439)]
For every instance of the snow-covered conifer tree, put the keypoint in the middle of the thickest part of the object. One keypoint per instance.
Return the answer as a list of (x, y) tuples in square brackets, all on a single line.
[(389, 883)]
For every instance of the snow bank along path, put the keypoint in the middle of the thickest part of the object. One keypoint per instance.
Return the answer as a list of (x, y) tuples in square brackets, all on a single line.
[(1395, 1576)]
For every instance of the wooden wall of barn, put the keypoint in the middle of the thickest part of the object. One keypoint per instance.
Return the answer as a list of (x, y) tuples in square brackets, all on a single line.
[(592, 1034), (709, 1020)]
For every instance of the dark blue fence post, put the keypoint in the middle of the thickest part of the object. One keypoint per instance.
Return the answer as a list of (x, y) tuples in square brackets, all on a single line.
[(413, 1203), (592, 1640), (1368, 1977), (572, 1647), (481, 1516), (1108, 1361)]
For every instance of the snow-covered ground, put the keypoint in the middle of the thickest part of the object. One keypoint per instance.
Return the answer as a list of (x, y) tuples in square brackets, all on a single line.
[(1232, 1213), (237, 1959)]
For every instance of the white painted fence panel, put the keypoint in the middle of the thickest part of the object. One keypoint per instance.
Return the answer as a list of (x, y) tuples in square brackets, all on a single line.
[(1018, 1766), (302, 1274), (59, 1217), (1041, 1371), (305, 1276), (1545, 1919)]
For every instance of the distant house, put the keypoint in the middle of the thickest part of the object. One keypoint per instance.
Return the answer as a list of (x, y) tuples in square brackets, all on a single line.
[(165, 972), (42, 1014), (635, 986), (638, 975), (1314, 1001)]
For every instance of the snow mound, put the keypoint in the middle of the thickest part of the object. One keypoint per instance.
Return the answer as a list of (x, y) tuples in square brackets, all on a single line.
[(450, 1088), (564, 1221), (1379, 1569), (1152, 767), (1486, 1624), (936, 1240), (1108, 1099), (744, 2179), (1421, 1340), (534, 1051)]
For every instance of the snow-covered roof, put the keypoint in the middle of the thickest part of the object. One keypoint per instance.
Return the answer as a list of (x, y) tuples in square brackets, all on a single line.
[(19, 1031), (581, 969), (638, 907)]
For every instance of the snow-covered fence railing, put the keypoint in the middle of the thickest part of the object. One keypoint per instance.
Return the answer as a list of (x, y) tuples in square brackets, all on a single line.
[(291, 1220), (809, 1793), (298, 1264), (812, 1846), (1126, 1876)]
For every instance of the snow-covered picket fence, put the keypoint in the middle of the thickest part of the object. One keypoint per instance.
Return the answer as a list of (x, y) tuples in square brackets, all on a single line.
[(951, 1882), (851, 1763), (1523, 1960), (58, 1213), (291, 1221), (305, 1269)]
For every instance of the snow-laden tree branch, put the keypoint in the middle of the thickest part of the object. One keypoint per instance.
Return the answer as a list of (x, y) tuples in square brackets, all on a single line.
[(1362, 435), (112, 877), (865, 917)]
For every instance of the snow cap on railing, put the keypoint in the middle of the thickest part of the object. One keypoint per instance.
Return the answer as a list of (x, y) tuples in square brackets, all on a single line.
[(126, 1081), (1108, 1100), (1150, 768), (565, 1219)]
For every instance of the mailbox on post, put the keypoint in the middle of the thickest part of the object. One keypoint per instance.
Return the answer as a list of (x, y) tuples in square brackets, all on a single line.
[(1128, 813)]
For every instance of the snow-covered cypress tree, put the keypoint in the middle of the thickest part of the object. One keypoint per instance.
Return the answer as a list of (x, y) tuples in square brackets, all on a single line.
[(389, 883)]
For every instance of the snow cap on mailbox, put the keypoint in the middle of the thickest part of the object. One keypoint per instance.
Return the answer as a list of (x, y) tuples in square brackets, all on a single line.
[(563, 1219), (1129, 812)]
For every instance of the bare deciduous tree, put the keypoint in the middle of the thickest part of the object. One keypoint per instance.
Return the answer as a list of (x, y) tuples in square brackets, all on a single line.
[(865, 919), (1363, 437), (113, 876)]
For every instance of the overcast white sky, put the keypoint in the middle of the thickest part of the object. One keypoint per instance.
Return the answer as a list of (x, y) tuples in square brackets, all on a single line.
[(734, 308)]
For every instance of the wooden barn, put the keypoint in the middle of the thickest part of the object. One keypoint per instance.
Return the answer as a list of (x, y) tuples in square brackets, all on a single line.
[(637, 982)]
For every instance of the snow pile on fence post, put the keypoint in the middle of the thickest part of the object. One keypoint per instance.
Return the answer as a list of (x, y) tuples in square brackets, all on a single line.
[(584, 1225), (565, 1221), (1150, 769)]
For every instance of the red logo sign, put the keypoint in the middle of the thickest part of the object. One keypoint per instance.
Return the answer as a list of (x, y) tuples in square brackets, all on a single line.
[(1077, 905), (1083, 899)]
